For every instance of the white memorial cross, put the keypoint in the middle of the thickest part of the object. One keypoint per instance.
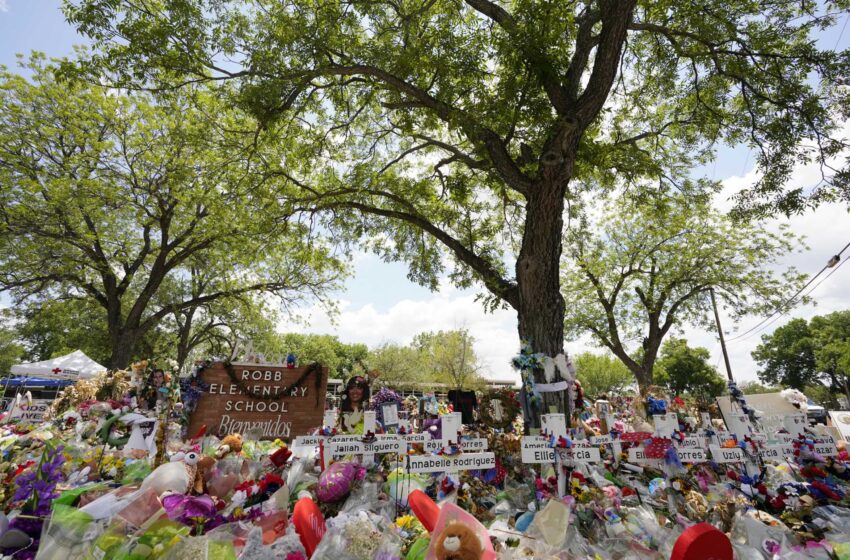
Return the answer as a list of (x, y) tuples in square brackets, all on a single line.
[(555, 424)]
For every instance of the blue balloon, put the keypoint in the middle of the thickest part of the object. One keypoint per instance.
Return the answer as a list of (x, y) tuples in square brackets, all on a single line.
[(524, 521)]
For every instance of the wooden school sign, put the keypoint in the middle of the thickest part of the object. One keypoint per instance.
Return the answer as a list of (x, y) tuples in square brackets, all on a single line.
[(270, 400)]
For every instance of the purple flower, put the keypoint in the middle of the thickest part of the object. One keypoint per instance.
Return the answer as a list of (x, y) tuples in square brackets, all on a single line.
[(189, 510)]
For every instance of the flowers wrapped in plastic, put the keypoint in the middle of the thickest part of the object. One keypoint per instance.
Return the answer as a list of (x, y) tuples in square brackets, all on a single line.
[(362, 536)]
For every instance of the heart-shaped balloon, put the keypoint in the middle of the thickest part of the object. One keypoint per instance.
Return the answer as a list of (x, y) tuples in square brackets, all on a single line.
[(336, 481), (702, 541), (309, 523), (424, 508)]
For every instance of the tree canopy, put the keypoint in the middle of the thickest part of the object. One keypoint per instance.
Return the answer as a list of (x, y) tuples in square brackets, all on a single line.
[(806, 354), (684, 370), (449, 357), (646, 266), (451, 134), (602, 374), (116, 198)]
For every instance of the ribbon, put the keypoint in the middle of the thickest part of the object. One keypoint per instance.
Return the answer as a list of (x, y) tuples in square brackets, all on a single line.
[(550, 387)]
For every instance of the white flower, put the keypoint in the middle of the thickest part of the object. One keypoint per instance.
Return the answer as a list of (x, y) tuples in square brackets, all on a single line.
[(239, 498)]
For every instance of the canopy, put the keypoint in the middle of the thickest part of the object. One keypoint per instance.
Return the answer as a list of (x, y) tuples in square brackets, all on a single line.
[(75, 365), (34, 382)]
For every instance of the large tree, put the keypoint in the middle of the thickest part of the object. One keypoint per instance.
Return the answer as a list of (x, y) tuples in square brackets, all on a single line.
[(686, 370), (787, 356), (803, 354), (11, 349), (648, 263), (436, 128), (602, 374), (449, 357), (111, 197)]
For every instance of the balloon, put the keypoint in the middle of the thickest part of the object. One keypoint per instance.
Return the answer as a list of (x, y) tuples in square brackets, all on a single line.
[(702, 541), (425, 509), (336, 481), (524, 521), (309, 523)]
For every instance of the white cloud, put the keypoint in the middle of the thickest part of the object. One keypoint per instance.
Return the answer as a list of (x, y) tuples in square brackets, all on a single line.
[(4, 6), (495, 334)]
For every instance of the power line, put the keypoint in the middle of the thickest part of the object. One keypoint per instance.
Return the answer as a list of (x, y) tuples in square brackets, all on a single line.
[(840, 35), (815, 287), (783, 306)]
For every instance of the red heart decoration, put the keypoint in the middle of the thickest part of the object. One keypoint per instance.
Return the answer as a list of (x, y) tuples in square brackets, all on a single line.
[(702, 542), (657, 447), (310, 524), (635, 436), (424, 508)]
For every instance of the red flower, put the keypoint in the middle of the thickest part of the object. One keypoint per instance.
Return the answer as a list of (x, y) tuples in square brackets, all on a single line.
[(245, 487), (281, 456), (812, 471), (732, 474), (827, 491), (270, 483)]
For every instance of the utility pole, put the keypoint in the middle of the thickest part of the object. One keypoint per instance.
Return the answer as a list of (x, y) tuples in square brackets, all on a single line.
[(720, 334)]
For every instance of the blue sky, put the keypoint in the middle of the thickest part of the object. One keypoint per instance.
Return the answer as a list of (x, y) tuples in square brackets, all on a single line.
[(379, 303)]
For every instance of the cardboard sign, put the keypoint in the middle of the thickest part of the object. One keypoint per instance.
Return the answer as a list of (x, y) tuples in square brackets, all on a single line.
[(666, 424), (33, 413), (726, 455), (578, 455), (288, 410), (330, 418), (796, 424), (442, 463), (554, 424), (452, 425), (738, 424), (390, 412), (537, 450)]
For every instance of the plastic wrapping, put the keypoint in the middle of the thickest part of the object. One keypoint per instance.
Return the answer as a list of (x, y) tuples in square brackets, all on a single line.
[(68, 534)]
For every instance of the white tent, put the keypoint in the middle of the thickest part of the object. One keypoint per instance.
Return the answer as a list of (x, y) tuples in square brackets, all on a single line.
[(75, 365)]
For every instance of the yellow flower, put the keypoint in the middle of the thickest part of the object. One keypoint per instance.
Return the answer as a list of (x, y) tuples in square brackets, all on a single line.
[(405, 522)]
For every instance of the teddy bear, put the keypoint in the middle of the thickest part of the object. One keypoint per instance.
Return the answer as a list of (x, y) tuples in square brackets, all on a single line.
[(230, 444), (458, 542)]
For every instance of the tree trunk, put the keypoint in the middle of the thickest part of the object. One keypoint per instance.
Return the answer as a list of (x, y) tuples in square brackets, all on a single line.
[(185, 332), (541, 306), (123, 343)]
